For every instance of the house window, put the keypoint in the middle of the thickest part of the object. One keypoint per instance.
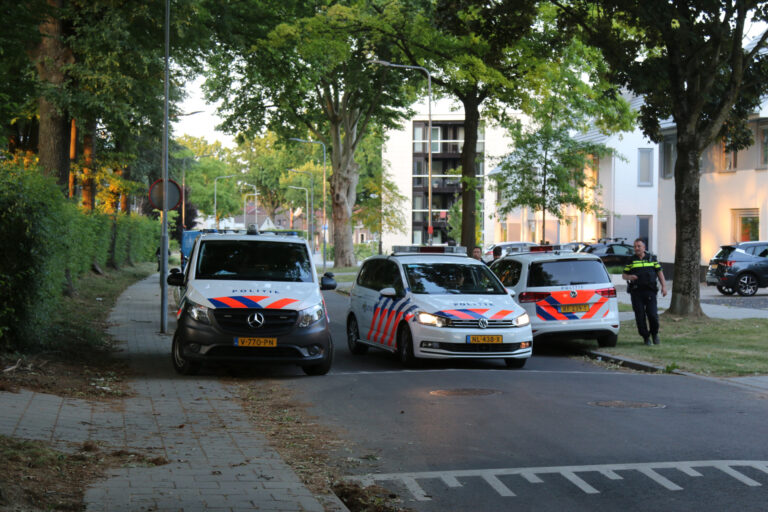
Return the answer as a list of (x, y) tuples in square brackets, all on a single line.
[(667, 157), (644, 172), (764, 146), (573, 228), (362, 238), (746, 224), (730, 160)]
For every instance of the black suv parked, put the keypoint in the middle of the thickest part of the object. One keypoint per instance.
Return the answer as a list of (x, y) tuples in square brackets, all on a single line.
[(741, 268)]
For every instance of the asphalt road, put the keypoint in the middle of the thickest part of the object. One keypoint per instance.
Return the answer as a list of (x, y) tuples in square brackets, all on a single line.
[(560, 434)]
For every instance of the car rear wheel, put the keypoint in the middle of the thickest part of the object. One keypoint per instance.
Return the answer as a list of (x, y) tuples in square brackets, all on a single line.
[(181, 364), (608, 340), (725, 290), (747, 285), (323, 367), (405, 347), (514, 362), (353, 334)]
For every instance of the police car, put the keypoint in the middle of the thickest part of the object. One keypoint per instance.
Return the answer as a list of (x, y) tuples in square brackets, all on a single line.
[(568, 295), (435, 302), (251, 298)]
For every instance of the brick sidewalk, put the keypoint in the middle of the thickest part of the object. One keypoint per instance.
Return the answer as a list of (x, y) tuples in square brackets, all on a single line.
[(217, 461)]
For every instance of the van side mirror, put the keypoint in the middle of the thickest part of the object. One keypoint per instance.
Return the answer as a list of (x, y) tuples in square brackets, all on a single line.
[(511, 292), (175, 278), (327, 282)]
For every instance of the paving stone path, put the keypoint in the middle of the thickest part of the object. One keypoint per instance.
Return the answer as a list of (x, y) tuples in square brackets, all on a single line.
[(217, 462)]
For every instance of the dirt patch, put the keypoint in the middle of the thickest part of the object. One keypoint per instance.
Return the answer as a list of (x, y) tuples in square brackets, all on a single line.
[(308, 447), (46, 373), (36, 477)]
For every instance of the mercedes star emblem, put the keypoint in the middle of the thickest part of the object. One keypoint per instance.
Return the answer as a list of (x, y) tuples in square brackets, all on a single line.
[(255, 320)]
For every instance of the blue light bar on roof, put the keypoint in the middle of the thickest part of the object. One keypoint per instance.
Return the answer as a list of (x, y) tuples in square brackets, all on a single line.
[(430, 249)]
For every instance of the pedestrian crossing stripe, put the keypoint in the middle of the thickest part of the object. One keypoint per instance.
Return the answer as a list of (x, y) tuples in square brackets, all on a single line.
[(570, 473)]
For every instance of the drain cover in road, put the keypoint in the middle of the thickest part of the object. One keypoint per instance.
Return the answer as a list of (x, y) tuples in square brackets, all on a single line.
[(464, 392), (621, 404)]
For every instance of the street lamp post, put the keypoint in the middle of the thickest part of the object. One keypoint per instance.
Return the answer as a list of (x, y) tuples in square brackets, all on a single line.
[(245, 200), (312, 211), (215, 184), (164, 228), (255, 206), (306, 198), (429, 137), (325, 221)]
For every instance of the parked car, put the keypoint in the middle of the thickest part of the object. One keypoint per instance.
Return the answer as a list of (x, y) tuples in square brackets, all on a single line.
[(612, 253), (420, 303), (251, 299), (568, 295), (507, 248), (741, 268)]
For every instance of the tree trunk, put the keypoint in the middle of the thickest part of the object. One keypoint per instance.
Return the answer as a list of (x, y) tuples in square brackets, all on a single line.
[(469, 173), (685, 286), (49, 57), (89, 183), (344, 179)]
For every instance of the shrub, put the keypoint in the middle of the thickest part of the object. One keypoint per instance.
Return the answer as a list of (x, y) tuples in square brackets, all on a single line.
[(44, 237)]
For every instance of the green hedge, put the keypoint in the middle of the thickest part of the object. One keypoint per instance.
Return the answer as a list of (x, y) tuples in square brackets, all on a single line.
[(44, 236)]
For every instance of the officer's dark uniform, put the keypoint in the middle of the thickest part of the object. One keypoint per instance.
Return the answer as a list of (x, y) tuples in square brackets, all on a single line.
[(643, 292)]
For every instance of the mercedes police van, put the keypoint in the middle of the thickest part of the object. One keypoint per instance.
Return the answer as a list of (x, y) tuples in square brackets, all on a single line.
[(251, 298), (435, 302)]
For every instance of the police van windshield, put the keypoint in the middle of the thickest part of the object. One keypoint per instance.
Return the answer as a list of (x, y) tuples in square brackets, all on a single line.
[(252, 260), (567, 273), (452, 278)]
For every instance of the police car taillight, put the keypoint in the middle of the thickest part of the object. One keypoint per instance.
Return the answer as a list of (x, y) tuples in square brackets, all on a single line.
[(533, 296), (607, 292)]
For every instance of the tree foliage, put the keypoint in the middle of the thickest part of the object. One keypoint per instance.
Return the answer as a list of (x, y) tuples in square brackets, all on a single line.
[(548, 169), (297, 67), (689, 62)]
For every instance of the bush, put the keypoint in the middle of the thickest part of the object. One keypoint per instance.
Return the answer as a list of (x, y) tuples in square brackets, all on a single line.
[(45, 237)]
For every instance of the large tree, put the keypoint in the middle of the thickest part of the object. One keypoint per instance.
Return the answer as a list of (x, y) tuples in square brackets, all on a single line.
[(689, 61), (299, 67), (547, 170), (479, 52)]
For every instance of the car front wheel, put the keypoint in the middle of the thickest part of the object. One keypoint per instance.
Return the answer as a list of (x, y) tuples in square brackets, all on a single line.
[(405, 347), (747, 285), (181, 364), (725, 290), (353, 335)]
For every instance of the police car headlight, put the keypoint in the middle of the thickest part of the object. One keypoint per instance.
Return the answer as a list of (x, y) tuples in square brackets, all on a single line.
[(522, 320), (430, 319), (199, 313), (311, 315)]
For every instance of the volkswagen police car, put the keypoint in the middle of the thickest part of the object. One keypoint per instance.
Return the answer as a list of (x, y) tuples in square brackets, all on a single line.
[(568, 295), (251, 298), (435, 302)]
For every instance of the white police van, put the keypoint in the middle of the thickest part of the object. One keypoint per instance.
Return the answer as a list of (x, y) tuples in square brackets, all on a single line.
[(568, 295), (435, 302), (251, 298)]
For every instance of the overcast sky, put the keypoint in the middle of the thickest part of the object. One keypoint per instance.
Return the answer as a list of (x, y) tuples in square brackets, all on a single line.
[(203, 123)]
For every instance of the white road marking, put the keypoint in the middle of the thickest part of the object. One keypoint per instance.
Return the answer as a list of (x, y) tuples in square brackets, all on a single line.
[(570, 473)]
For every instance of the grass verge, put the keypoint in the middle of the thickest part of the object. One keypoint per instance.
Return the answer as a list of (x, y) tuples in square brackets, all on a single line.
[(76, 358), (707, 346)]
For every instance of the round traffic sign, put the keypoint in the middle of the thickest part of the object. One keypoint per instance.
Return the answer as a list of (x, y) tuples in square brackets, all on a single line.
[(156, 195)]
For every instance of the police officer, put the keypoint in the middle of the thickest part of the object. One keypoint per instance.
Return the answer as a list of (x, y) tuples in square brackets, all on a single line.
[(641, 277)]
